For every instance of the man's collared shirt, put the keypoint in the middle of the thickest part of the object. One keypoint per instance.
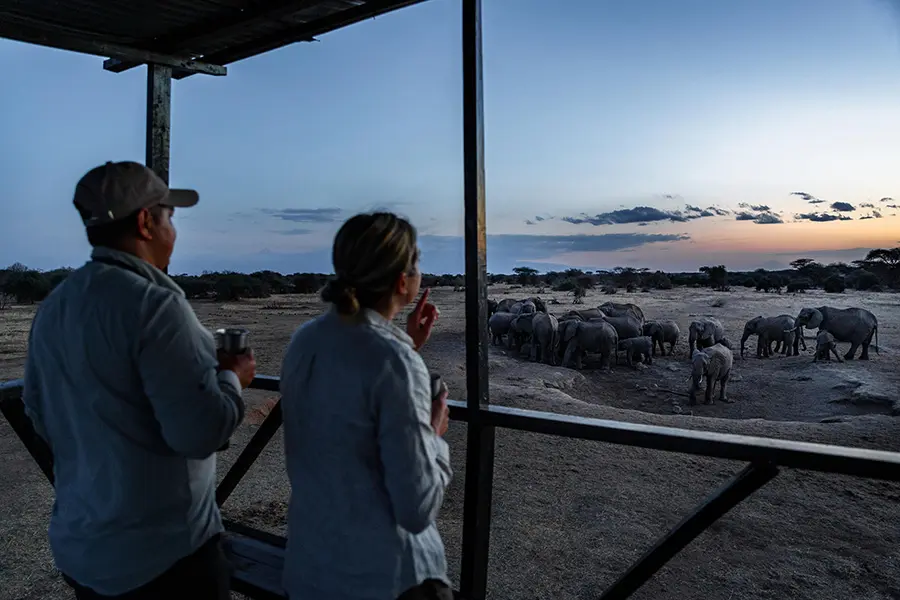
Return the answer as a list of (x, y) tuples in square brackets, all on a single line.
[(121, 381), (367, 470)]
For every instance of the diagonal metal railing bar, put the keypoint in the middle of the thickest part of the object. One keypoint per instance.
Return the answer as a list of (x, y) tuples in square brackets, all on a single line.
[(736, 490)]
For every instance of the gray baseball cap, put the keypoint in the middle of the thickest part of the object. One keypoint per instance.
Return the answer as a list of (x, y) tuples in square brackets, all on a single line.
[(117, 189)]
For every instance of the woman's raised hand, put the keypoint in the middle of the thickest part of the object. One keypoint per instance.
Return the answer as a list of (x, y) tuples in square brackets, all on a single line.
[(421, 320)]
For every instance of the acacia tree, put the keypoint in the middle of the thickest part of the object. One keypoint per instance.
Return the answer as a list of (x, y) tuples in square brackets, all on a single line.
[(718, 277), (885, 262), (810, 269), (526, 275)]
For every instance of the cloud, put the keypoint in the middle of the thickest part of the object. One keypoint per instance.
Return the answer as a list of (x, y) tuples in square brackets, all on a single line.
[(297, 231), (867, 205), (755, 207), (768, 218), (874, 215), (808, 197), (822, 218), (718, 211), (640, 214), (305, 215), (763, 218), (843, 206), (886, 199), (893, 206)]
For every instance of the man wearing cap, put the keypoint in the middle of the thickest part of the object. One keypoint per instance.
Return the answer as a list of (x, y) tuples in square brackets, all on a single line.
[(125, 385)]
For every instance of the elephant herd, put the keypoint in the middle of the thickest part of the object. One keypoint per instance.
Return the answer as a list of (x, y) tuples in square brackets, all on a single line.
[(616, 327)]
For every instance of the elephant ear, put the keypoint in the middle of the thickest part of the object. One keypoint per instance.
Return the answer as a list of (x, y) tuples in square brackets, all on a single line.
[(815, 319), (570, 330)]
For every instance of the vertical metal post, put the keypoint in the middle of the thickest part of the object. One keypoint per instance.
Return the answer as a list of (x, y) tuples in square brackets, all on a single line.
[(159, 118), (480, 445)]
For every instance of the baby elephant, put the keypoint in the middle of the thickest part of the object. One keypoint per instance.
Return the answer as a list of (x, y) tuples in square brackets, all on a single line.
[(714, 364), (824, 344), (640, 348), (664, 331)]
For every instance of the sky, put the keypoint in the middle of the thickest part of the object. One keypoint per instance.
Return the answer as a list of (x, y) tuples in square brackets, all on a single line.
[(667, 134)]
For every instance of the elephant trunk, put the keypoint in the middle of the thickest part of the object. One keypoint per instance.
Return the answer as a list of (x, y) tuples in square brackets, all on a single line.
[(744, 339)]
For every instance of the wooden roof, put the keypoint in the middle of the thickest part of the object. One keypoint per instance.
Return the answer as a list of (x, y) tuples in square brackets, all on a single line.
[(189, 35)]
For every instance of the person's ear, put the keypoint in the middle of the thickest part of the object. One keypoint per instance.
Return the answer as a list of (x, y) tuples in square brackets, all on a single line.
[(402, 286), (146, 225)]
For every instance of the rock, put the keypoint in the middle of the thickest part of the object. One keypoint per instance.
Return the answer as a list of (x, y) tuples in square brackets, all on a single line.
[(833, 420), (676, 408), (673, 368), (735, 378), (803, 378)]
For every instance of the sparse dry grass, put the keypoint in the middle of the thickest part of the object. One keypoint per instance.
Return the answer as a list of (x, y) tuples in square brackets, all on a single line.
[(569, 516)]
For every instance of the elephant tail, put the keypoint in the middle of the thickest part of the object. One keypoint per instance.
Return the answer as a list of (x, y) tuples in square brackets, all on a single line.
[(876, 339)]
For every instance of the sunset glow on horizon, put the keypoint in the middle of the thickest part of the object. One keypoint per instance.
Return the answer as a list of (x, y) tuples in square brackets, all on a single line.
[(664, 134)]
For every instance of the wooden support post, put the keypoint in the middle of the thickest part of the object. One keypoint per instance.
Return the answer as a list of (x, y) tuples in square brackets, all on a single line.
[(159, 118), (480, 444)]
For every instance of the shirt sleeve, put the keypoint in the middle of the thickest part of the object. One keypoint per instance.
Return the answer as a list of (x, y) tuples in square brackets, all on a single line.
[(31, 394), (416, 460), (197, 408)]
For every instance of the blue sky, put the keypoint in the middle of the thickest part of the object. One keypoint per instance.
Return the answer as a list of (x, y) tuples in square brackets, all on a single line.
[(663, 133)]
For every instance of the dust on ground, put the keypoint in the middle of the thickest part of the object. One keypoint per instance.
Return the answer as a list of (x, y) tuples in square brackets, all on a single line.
[(570, 516)]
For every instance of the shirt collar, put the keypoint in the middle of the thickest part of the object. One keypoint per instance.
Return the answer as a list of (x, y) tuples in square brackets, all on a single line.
[(376, 319), (139, 265)]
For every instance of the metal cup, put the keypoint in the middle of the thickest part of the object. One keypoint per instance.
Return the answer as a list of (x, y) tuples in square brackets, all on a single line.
[(233, 340), (437, 387)]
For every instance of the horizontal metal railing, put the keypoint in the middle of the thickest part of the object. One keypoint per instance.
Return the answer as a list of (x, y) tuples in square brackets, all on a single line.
[(874, 464)]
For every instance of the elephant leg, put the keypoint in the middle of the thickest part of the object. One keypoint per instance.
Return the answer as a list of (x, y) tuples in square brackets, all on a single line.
[(723, 394), (865, 346), (671, 348), (649, 360), (569, 354), (852, 351), (710, 384)]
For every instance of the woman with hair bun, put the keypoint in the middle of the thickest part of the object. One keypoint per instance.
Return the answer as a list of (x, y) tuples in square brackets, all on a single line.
[(363, 435)]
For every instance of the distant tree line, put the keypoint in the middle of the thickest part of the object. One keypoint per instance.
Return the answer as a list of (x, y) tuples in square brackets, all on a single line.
[(878, 271)]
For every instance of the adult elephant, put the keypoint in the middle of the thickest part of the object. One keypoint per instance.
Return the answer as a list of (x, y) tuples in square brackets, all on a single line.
[(855, 325), (564, 325), (581, 337), (778, 329), (626, 327), (506, 304), (539, 304), (499, 325), (618, 309), (585, 314), (544, 336), (703, 333)]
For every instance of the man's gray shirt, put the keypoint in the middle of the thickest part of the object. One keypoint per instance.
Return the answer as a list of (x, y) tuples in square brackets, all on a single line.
[(121, 381), (367, 470)]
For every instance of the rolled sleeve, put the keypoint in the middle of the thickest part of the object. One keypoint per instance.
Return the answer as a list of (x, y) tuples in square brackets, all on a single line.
[(197, 407), (416, 460)]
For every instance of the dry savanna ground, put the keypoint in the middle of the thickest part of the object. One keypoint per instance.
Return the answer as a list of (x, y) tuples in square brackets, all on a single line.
[(569, 516)]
